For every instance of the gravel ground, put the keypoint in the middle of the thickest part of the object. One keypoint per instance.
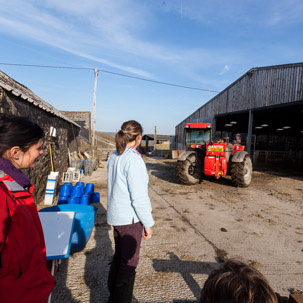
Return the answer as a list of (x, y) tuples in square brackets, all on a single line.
[(196, 228)]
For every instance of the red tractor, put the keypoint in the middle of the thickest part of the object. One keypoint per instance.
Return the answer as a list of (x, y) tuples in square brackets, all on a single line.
[(202, 156)]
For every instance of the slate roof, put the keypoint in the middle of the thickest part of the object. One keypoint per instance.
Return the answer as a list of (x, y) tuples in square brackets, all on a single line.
[(23, 92)]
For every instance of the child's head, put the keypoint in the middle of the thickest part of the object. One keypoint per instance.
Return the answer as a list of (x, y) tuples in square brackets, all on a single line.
[(237, 282), (130, 130)]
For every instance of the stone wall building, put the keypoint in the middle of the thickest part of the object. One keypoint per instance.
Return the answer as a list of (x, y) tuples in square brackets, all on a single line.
[(82, 118), (103, 146), (16, 99)]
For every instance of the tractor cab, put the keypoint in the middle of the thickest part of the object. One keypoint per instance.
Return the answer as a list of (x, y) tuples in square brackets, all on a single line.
[(196, 135)]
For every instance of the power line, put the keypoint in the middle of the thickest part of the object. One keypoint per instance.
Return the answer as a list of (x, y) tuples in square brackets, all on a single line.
[(109, 72), (46, 66), (159, 82)]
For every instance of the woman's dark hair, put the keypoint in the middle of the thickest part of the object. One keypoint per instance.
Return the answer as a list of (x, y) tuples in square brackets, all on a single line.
[(237, 282), (18, 131), (129, 132)]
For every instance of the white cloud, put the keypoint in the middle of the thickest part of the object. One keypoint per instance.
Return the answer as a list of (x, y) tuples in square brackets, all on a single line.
[(265, 13), (224, 70), (285, 13), (113, 33), (95, 29), (80, 29)]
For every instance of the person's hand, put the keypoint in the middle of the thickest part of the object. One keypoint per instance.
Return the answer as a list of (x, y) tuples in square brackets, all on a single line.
[(147, 233)]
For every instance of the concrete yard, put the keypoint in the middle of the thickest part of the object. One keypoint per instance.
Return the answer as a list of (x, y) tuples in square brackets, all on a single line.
[(196, 228)]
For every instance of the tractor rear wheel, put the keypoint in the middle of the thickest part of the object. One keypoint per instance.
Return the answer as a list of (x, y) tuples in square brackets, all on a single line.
[(189, 172), (241, 172)]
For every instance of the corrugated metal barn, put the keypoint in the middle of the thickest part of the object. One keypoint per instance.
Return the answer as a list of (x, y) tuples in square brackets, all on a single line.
[(265, 106)]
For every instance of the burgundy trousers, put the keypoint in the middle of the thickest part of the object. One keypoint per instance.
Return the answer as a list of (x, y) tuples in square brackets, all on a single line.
[(127, 248)]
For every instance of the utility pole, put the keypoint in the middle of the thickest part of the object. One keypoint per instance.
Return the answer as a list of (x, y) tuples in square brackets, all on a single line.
[(94, 112), (155, 139)]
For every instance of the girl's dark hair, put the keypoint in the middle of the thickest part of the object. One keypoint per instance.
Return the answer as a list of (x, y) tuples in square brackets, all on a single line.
[(18, 131), (237, 282), (129, 132)]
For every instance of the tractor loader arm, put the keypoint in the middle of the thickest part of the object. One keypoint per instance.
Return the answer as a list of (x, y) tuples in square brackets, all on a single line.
[(239, 156), (184, 156)]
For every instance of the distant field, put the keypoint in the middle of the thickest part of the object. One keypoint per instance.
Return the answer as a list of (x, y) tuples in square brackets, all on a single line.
[(106, 136), (110, 133)]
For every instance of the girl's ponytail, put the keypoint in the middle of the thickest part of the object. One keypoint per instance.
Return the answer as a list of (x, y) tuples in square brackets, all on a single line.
[(120, 142)]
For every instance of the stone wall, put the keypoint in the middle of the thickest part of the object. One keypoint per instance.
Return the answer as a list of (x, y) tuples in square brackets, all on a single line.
[(67, 139), (83, 119)]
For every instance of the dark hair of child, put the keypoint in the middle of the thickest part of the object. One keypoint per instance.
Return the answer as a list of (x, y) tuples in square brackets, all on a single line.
[(237, 282)]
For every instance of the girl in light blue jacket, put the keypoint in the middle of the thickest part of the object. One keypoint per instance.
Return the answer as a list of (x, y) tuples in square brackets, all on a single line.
[(128, 209)]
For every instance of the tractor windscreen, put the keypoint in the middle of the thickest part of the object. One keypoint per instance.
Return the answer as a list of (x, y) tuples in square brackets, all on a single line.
[(196, 136)]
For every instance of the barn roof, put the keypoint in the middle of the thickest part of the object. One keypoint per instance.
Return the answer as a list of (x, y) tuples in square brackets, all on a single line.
[(259, 87), (23, 92)]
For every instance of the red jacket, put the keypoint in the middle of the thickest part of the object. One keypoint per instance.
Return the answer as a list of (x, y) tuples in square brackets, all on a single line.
[(24, 277)]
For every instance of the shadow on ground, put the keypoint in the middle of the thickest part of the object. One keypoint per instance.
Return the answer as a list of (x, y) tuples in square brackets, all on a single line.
[(96, 269), (166, 171), (285, 170), (98, 259), (186, 269)]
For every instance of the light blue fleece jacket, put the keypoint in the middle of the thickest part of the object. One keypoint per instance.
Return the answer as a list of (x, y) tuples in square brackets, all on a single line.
[(127, 190)]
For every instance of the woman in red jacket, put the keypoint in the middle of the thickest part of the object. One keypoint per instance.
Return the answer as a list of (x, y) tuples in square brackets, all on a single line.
[(24, 277)]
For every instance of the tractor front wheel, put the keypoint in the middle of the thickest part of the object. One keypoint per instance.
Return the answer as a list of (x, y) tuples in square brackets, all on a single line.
[(241, 172), (189, 171)]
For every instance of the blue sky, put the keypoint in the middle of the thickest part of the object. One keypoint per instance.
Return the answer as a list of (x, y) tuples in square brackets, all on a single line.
[(195, 43)]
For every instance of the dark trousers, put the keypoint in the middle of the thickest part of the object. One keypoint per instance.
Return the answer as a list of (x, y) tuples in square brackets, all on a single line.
[(127, 247), (122, 271)]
